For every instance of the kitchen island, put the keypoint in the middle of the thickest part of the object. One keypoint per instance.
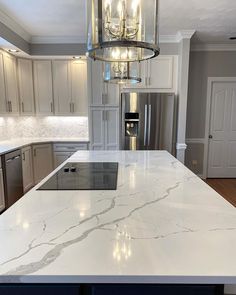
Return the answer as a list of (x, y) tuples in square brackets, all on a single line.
[(163, 225)]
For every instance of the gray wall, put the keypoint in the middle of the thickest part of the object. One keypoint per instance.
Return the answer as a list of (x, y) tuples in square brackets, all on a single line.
[(203, 64)]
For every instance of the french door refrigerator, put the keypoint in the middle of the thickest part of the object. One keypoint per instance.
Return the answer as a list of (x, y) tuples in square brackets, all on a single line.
[(148, 121)]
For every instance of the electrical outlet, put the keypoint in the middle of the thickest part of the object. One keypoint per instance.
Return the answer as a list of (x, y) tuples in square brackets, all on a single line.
[(194, 162)]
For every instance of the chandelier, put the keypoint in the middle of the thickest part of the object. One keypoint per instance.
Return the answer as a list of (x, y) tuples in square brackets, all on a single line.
[(122, 72), (122, 30)]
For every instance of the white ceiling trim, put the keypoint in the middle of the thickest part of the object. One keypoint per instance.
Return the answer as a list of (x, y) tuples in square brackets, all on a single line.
[(57, 40), (14, 26), (77, 40), (213, 47), (185, 34)]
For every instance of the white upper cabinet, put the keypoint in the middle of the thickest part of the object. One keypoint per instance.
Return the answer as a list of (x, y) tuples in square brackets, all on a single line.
[(102, 94), (25, 78), (11, 84), (62, 87), (161, 72), (79, 87), (158, 74), (97, 90), (43, 87), (3, 102), (70, 87)]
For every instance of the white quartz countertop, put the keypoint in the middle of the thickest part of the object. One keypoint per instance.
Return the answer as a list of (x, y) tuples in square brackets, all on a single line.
[(11, 145), (162, 225)]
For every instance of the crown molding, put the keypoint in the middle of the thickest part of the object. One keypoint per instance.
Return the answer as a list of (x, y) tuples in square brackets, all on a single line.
[(14, 26), (184, 34), (214, 47)]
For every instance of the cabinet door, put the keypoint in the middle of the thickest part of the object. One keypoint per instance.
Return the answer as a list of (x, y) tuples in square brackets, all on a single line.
[(3, 102), (43, 87), (42, 159), (25, 77), (160, 71), (11, 83), (62, 87), (111, 95), (97, 84), (2, 197), (97, 128), (60, 157), (79, 87), (27, 168), (143, 68), (112, 129)]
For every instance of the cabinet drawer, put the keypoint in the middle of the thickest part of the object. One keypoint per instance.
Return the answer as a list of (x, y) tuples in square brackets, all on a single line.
[(69, 147)]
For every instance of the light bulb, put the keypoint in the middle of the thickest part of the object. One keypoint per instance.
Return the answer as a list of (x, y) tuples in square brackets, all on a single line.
[(119, 7), (116, 53), (135, 6)]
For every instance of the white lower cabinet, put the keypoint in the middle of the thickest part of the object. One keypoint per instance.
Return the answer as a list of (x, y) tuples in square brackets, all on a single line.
[(104, 128), (61, 157), (63, 151), (43, 161), (27, 168), (2, 195)]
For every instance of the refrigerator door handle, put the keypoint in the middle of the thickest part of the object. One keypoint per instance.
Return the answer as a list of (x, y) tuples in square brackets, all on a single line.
[(149, 123), (145, 125)]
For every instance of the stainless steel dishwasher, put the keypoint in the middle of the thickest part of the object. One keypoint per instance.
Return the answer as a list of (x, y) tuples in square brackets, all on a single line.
[(13, 179)]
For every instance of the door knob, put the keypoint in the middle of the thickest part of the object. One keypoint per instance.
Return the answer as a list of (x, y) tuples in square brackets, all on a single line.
[(210, 136)]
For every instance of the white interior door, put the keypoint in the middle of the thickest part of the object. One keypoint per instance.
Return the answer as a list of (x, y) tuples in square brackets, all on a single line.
[(222, 139)]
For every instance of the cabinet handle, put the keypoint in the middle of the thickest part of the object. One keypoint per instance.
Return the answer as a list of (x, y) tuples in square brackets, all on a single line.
[(70, 108), (23, 158), (8, 106), (150, 81), (105, 115), (23, 108), (51, 107), (73, 107), (34, 152), (103, 98)]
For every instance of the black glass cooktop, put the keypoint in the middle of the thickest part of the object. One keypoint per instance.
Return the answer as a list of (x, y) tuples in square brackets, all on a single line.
[(84, 176)]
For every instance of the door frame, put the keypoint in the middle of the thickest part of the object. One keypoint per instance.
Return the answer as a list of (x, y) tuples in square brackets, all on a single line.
[(211, 81)]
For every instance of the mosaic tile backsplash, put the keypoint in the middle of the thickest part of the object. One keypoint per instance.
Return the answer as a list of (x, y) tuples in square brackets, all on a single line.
[(45, 127)]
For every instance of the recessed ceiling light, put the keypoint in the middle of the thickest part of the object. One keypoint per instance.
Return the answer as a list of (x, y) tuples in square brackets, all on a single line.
[(232, 38), (77, 57), (13, 50)]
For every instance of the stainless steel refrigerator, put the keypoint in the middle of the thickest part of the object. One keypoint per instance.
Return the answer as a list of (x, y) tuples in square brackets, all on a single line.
[(148, 121)]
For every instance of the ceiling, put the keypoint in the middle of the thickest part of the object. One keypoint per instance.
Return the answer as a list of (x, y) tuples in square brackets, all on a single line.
[(55, 21)]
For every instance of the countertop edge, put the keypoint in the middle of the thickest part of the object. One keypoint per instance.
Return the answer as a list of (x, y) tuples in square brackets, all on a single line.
[(75, 279), (16, 147)]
